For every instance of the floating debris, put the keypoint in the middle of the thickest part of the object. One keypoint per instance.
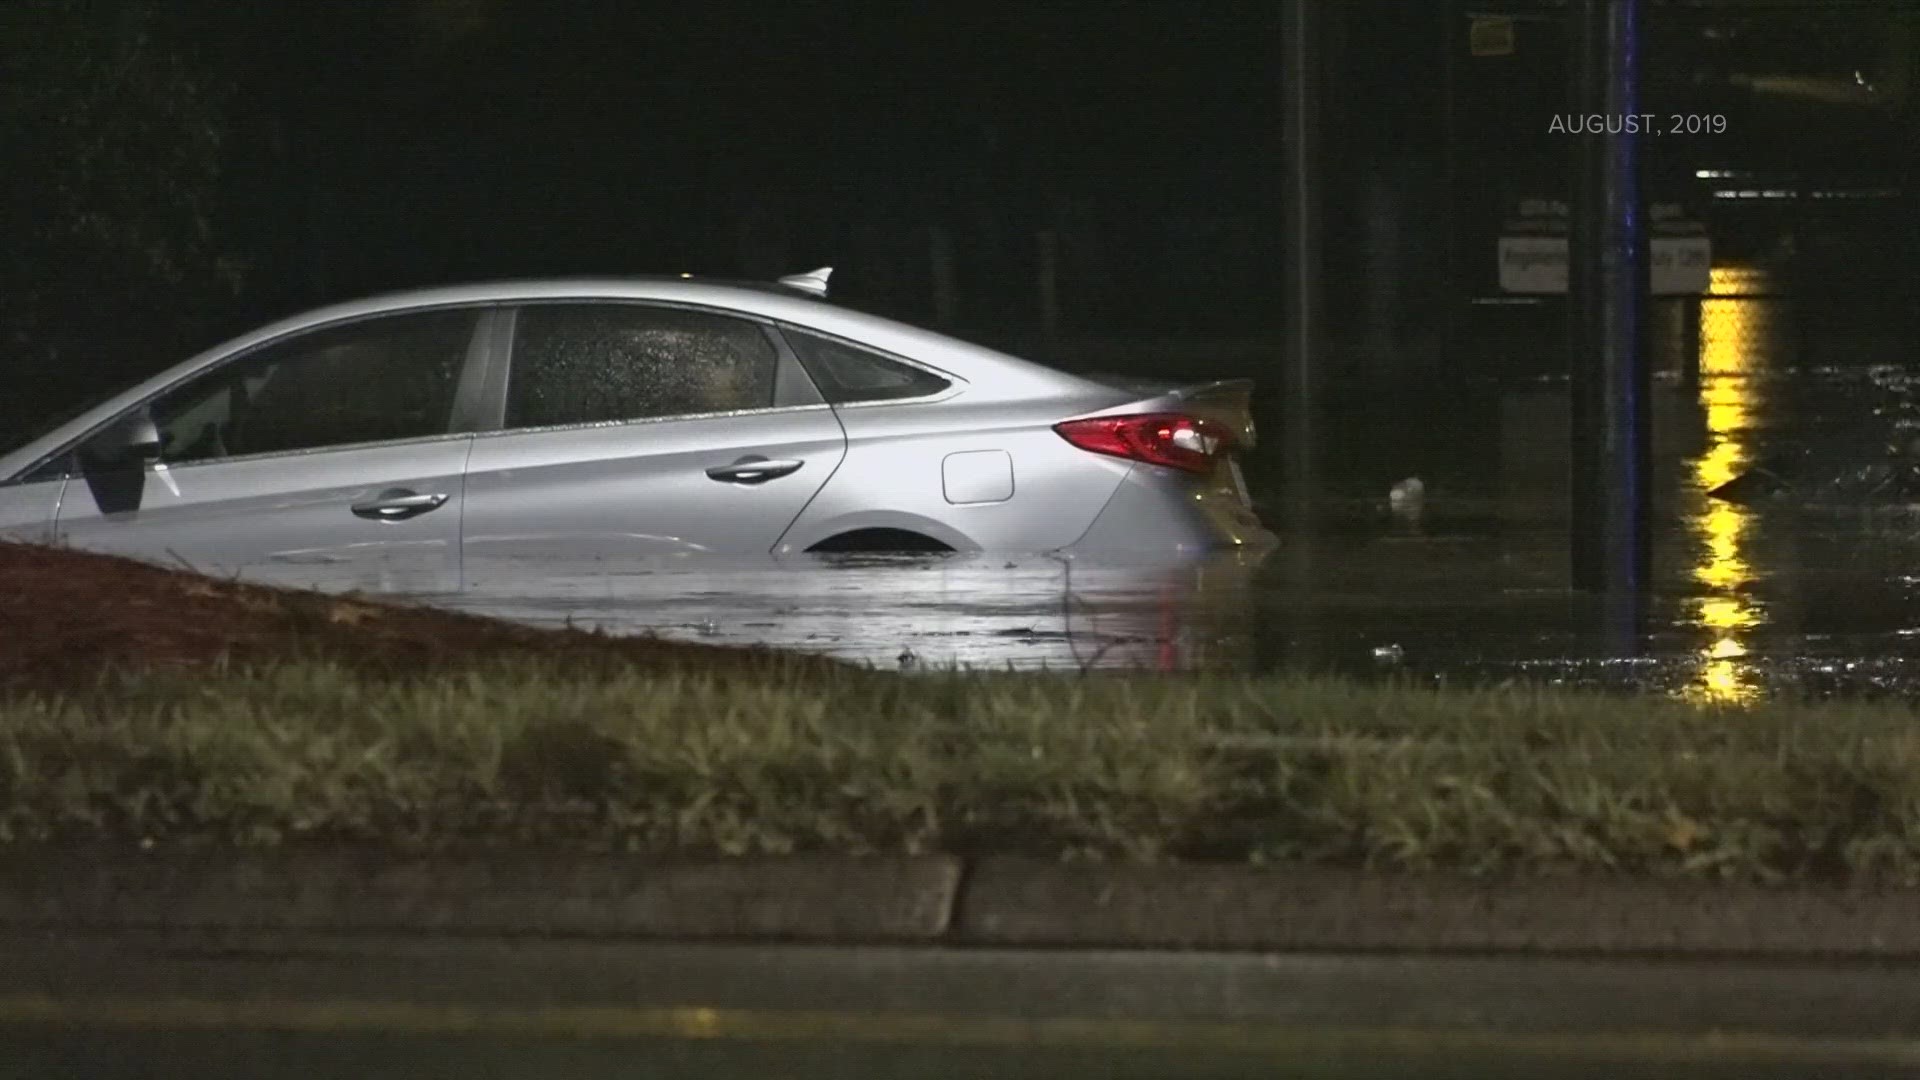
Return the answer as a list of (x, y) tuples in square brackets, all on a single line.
[(1406, 496)]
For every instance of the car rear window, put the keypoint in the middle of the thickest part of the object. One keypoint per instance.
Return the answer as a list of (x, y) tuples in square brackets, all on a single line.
[(846, 373), (593, 362)]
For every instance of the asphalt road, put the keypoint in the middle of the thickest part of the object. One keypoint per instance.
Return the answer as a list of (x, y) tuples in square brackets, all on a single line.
[(125, 1004), (274, 1056)]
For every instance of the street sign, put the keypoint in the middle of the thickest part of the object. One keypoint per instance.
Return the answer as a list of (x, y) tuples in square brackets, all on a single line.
[(1490, 35), (1677, 265), (1533, 252)]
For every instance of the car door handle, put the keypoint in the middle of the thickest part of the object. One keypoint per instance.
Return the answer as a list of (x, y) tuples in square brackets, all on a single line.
[(753, 469), (398, 504)]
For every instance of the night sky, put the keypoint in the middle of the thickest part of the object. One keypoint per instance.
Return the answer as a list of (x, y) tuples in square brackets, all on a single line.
[(500, 136)]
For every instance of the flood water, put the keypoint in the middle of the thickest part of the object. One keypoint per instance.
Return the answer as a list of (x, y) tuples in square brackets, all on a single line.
[(1469, 586)]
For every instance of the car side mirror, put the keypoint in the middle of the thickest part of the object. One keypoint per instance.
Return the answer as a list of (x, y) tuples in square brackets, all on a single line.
[(131, 443)]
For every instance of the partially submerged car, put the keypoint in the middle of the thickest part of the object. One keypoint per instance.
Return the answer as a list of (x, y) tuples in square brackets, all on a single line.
[(607, 419)]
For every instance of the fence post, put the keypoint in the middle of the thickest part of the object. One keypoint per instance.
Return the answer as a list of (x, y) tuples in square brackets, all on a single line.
[(946, 290), (1690, 344), (1048, 242)]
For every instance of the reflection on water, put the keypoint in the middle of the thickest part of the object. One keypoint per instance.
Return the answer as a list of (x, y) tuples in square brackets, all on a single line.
[(1730, 335), (925, 612)]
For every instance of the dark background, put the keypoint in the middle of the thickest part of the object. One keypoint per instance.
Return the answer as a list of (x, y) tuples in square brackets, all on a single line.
[(176, 172)]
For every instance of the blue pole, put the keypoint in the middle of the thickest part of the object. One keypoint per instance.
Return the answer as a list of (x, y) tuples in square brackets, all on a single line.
[(1623, 305), (1612, 459)]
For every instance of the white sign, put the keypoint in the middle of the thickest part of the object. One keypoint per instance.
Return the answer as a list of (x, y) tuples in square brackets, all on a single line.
[(1678, 265)]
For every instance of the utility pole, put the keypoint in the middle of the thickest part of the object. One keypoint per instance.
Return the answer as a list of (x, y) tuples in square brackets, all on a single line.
[(1301, 47), (1302, 43), (1453, 289), (1610, 383)]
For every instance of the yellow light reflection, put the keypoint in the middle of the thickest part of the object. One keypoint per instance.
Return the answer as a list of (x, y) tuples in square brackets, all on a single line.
[(1727, 615), (695, 1023), (1727, 346)]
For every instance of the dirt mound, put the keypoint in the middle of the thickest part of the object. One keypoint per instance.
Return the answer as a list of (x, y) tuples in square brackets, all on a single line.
[(66, 615)]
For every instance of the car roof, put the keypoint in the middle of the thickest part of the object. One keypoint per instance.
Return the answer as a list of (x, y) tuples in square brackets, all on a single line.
[(750, 296), (973, 363), (989, 375)]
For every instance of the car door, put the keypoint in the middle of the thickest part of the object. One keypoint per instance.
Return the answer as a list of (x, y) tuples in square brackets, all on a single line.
[(632, 430), (27, 507), (331, 458)]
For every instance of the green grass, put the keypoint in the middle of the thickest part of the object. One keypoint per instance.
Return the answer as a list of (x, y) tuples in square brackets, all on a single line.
[(542, 753)]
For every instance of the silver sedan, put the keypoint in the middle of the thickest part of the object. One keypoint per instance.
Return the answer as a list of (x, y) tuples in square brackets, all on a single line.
[(420, 432)]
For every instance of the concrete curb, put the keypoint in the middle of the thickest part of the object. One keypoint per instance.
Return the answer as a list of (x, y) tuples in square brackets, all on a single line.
[(937, 900), (883, 899), (1017, 903)]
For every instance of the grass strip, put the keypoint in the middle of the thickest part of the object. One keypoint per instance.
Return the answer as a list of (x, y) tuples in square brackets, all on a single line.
[(775, 758)]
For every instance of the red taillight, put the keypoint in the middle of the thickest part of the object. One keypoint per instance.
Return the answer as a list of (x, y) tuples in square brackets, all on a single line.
[(1172, 439)]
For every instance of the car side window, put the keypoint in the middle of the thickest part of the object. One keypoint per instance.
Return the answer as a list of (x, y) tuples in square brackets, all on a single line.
[(374, 381), (588, 363), (846, 374)]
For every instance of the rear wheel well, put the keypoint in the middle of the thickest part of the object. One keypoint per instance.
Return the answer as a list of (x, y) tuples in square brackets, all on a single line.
[(871, 540)]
